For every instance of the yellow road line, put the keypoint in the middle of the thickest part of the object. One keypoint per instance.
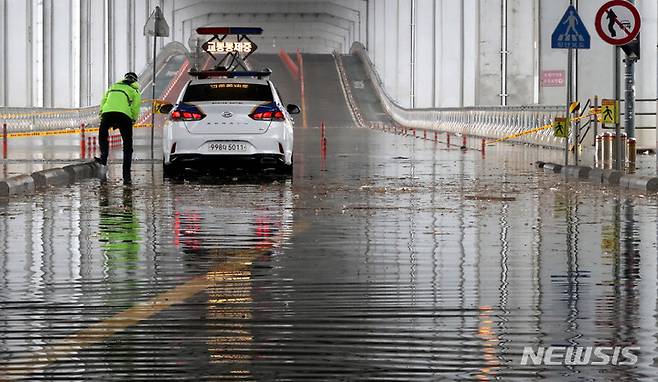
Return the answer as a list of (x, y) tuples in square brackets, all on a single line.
[(21, 368)]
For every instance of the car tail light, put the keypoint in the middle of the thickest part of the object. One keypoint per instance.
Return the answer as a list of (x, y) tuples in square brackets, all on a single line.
[(268, 112), (185, 112)]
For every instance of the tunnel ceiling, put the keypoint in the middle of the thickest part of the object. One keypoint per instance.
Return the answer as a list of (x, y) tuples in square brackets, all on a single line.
[(320, 26)]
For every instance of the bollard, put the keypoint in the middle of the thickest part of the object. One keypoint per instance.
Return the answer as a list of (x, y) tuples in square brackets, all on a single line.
[(632, 153), (448, 139), (622, 142), (607, 150), (323, 139), (321, 133), (483, 145), (436, 136), (424, 134), (464, 141), (599, 151), (83, 148), (4, 141), (94, 144)]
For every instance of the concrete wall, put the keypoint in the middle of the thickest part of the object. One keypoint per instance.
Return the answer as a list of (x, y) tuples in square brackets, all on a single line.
[(458, 52), (64, 52)]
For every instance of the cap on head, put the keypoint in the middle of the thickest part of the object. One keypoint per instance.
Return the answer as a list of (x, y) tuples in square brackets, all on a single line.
[(130, 77)]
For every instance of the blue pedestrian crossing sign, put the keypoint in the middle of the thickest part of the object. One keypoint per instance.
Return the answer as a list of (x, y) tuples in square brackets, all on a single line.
[(571, 32)]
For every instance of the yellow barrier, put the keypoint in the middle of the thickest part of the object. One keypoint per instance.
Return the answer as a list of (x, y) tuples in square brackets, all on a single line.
[(537, 129)]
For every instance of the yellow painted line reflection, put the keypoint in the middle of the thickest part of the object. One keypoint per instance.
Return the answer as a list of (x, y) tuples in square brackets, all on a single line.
[(234, 269)]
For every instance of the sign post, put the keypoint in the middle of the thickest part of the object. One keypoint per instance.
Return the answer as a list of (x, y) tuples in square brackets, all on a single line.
[(618, 23), (156, 26), (570, 34)]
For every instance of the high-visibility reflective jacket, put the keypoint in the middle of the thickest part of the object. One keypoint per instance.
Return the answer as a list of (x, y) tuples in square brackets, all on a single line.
[(122, 98)]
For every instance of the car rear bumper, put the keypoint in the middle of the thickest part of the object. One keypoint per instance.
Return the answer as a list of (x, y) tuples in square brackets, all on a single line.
[(261, 149), (220, 160)]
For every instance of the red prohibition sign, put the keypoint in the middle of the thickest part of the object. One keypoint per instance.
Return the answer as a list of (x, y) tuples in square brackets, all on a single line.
[(630, 34)]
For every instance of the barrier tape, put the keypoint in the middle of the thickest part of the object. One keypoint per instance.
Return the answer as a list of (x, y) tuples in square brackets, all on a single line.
[(541, 128), (27, 134)]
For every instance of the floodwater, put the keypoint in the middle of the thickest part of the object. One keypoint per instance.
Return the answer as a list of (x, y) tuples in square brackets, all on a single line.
[(393, 258)]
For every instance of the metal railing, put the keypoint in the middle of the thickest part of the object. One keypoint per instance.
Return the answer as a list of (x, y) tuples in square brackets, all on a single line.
[(34, 119), (492, 122)]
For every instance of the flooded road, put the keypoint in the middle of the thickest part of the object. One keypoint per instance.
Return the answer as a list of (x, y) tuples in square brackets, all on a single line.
[(393, 258)]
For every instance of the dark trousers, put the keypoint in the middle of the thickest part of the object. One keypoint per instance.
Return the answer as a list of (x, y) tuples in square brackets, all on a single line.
[(125, 125)]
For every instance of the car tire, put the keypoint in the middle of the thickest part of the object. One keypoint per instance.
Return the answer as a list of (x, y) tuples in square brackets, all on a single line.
[(169, 170), (286, 168)]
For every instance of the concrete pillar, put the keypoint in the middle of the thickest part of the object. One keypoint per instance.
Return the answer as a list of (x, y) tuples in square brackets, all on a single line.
[(438, 54), (18, 71), (490, 46), (403, 64), (3, 48), (425, 53), (379, 38), (392, 47), (452, 70), (58, 57), (520, 76), (471, 53)]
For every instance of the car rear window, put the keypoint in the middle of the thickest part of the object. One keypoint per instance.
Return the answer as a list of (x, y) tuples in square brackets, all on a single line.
[(228, 92)]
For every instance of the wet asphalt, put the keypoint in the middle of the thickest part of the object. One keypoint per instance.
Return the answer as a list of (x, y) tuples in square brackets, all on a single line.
[(392, 258)]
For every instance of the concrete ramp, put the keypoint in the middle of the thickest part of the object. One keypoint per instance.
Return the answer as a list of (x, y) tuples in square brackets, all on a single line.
[(325, 100), (364, 93)]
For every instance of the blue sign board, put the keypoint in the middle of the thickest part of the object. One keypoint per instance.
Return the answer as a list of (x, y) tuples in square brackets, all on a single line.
[(570, 33)]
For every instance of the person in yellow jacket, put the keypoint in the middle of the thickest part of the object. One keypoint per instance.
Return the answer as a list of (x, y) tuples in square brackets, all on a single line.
[(119, 110)]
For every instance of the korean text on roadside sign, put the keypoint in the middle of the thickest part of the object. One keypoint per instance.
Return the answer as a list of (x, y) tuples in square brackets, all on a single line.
[(609, 111), (571, 32), (618, 22), (561, 128), (553, 78)]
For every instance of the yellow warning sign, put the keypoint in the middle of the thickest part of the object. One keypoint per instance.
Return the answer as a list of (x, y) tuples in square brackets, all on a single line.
[(610, 111), (574, 107), (157, 106), (561, 128)]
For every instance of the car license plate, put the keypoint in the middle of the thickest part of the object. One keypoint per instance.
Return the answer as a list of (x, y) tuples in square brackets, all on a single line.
[(227, 147)]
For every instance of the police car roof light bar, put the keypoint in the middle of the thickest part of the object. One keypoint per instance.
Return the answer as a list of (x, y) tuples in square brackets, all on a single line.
[(229, 30), (228, 74)]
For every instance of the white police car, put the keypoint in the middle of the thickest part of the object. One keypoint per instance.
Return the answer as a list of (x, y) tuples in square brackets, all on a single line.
[(228, 120)]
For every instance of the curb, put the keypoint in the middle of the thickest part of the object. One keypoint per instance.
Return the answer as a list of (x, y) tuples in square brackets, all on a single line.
[(552, 167), (580, 172), (644, 183), (54, 177), (597, 175), (17, 185), (81, 171), (609, 177)]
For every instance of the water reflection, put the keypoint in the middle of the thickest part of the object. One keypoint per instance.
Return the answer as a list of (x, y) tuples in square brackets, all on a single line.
[(414, 264), (119, 228)]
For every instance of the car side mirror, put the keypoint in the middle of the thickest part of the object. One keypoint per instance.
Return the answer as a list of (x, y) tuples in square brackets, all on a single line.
[(166, 108), (293, 109)]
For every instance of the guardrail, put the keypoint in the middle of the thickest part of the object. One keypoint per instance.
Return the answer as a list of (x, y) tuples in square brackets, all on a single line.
[(491, 122), (23, 120)]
